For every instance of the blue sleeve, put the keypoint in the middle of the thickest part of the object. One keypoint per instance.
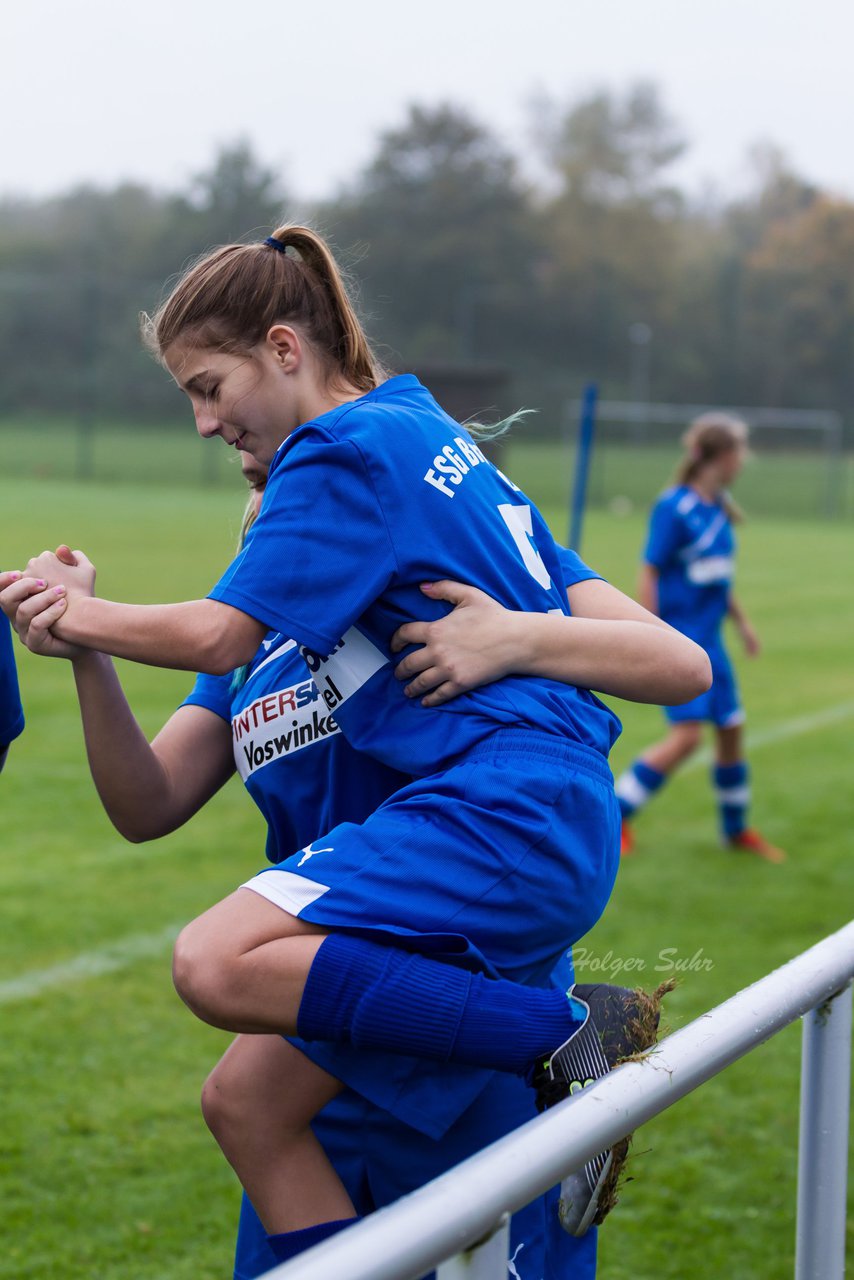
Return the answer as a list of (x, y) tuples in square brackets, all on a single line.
[(213, 693), (11, 711), (665, 534), (320, 552), (574, 569)]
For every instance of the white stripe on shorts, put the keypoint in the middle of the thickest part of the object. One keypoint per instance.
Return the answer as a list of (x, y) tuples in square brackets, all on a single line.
[(287, 890)]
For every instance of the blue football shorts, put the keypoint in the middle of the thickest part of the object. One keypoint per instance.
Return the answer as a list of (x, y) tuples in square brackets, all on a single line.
[(720, 705), (500, 863)]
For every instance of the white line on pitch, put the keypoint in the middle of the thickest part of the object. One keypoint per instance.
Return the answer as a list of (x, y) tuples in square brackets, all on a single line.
[(780, 732), (89, 964)]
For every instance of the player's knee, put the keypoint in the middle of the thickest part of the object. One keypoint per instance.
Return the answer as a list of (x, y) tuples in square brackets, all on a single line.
[(222, 1105), (243, 1122), (197, 972)]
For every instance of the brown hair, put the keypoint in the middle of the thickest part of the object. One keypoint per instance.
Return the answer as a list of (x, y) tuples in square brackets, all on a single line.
[(232, 296), (707, 437)]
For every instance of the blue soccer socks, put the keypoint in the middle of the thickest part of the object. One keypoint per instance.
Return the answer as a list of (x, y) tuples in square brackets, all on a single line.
[(287, 1244), (732, 791), (382, 997), (636, 786)]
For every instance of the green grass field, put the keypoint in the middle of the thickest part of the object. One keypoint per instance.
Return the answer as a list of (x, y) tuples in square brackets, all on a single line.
[(107, 1169), (805, 485)]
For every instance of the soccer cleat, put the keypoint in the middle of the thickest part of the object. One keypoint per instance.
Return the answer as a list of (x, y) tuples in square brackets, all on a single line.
[(751, 841), (627, 840), (620, 1023)]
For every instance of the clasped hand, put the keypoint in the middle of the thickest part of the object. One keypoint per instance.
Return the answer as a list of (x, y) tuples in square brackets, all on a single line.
[(36, 599)]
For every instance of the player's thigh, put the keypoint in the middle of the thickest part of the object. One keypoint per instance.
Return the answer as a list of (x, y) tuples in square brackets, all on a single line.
[(686, 736), (683, 738), (243, 921), (216, 954)]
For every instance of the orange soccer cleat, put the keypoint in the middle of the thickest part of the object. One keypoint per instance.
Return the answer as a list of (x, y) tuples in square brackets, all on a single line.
[(627, 840), (751, 841)]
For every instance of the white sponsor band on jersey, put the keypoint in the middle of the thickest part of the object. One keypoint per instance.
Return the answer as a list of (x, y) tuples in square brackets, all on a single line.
[(278, 725), (710, 569), (343, 672)]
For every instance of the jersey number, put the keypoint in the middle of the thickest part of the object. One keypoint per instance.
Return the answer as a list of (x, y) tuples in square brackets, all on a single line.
[(520, 524)]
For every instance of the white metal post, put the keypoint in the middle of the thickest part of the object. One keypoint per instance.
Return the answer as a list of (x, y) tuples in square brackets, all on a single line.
[(823, 1145)]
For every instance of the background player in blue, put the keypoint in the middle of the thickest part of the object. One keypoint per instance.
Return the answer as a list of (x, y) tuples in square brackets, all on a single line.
[(686, 578), (415, 931), (11, 711), (370, 1146)]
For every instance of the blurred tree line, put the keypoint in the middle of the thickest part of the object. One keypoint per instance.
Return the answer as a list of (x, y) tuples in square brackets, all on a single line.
[(459, 257)]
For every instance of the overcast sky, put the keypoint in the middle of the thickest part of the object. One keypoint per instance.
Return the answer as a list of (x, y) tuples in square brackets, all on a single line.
[(102, 90)]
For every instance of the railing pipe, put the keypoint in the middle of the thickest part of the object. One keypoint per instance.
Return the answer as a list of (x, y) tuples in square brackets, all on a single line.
[(449, 1215)]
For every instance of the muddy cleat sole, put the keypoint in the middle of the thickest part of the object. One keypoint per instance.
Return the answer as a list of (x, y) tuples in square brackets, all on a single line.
[(620, 1024)]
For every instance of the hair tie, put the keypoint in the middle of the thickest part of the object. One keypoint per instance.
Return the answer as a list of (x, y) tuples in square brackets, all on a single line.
[(276, 244)]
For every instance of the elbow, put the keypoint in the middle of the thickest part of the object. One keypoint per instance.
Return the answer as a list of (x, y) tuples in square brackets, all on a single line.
[(701, 672), (226, 646), (137, 830), (217, 662), (132, 835), (691, 672)]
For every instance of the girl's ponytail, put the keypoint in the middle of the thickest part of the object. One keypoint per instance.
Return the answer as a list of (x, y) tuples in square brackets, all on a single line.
[(358, 364), (233, 296)]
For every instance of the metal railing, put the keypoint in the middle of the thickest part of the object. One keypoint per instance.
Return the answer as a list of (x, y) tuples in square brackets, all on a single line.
[(458, 1222)]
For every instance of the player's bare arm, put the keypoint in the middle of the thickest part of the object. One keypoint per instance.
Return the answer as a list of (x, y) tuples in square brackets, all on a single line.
[(749, 638), (195, 635), (610, 644), (648, 588), (147, 789)]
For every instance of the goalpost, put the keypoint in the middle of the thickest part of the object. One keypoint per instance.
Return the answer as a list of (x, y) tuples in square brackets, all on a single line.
[(800, 468)]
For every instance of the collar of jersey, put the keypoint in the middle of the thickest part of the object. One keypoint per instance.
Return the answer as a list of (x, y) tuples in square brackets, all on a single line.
[(391, 387)]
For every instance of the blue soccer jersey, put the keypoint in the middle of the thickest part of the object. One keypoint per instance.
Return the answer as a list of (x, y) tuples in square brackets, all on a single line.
[(289, 750), (362, 505), (11, 712), (691, 544)]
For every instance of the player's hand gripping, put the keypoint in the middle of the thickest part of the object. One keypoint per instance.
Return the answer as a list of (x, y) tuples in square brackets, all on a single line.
[(476, 643), (33, 604)]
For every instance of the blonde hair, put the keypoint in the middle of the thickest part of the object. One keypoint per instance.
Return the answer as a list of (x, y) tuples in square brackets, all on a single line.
[(707, 438), (231, 297), (250, 515)]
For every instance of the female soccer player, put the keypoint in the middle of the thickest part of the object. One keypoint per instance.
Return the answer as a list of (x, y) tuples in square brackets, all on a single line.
[(403, 934), (430, 1120), (11, 711), (686, 578)]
